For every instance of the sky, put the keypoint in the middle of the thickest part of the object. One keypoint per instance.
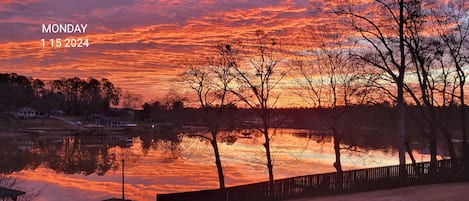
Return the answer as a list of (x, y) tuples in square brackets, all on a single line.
[(140, 45)]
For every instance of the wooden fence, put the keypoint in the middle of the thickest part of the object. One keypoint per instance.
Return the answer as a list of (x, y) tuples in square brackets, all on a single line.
[(451, 170)]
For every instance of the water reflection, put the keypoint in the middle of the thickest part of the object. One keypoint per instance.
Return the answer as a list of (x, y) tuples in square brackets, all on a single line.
[(166, 141), (88, 167), (68, 155)]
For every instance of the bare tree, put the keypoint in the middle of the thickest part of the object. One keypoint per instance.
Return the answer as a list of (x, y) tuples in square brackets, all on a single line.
[(383, 32), (343, 77), (256, 83), (211, 83), (426, 53), (452, 26), (131, 100), (312, 80), (333, 79), (430, 57)]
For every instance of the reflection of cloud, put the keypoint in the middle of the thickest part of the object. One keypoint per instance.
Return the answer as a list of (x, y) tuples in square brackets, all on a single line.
[(191, 167)]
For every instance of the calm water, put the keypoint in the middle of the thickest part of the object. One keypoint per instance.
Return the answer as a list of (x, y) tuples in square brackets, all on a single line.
[(89, 168)]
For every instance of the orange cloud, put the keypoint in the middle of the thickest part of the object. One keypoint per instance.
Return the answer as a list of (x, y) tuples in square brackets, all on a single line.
[(144, 46)]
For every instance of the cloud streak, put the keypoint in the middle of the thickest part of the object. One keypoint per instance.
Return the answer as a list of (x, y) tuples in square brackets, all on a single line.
[(135, 43)]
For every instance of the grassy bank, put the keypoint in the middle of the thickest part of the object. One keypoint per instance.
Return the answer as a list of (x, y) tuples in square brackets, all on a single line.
[(7, 123)]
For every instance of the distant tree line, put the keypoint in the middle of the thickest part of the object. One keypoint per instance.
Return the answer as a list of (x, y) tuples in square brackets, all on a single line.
[(170, 109), (16, 90), (74, 96)]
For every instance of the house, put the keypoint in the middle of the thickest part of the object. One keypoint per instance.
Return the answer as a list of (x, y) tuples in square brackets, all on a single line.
[(127, 114), (115, 122), (56, 112), (27, 113)]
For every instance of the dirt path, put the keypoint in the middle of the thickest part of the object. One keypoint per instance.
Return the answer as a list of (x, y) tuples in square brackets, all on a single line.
[(435, 192)]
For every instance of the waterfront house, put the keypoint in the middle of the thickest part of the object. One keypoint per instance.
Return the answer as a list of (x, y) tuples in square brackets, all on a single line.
[(27, 113)]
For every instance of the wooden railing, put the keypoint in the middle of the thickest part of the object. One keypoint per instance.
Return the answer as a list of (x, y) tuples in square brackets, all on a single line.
[(452, 170)]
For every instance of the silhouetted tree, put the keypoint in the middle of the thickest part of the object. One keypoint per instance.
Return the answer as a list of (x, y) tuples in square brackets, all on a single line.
[(177, 105), (452, 26), (383, 32), (425, 52), (110, 93), (16, 91), (330, 78), (38, 87), (130, 100), (256, 82), (88, 96), (211, 83), (153, 111)]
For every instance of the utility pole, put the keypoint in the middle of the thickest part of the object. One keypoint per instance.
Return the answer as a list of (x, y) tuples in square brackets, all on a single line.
[(123, 197)]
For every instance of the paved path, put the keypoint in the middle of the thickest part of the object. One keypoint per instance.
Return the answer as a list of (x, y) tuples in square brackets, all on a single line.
[(65, 120), (434, 192)]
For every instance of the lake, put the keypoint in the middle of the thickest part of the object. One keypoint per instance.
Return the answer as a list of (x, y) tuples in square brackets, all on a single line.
[(83, 167)]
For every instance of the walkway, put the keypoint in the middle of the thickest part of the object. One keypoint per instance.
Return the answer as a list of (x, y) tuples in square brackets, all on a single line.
[(438, 192), (327, 184)]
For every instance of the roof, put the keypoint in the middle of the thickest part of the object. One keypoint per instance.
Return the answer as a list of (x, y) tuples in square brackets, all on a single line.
[(25, 109), (93, 126), (9, 193)]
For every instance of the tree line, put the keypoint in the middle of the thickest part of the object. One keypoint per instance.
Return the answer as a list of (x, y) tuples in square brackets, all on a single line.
[(74, 96)]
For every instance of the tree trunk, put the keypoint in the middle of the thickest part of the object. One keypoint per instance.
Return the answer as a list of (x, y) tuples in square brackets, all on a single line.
[(449, 141), (401, 132), (400, 93), (433, 151), (412, 158), (463, 124), (269, 160), (265, 115), (337, 163), (221, 177)]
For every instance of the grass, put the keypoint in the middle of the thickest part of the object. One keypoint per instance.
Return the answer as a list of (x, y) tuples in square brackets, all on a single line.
[(43, 123), (8, 123)]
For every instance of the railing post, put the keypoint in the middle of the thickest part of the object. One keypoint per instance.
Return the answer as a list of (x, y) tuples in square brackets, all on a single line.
[(388, 174)]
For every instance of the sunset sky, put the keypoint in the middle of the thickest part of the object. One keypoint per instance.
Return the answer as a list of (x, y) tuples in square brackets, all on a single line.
[(140, 45)]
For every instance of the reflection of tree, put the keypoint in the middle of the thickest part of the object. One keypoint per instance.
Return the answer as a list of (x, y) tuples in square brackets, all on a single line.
[(14, 159), (78, 155), (148, 143), (85, 155), (165, 141), (170, 150)]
